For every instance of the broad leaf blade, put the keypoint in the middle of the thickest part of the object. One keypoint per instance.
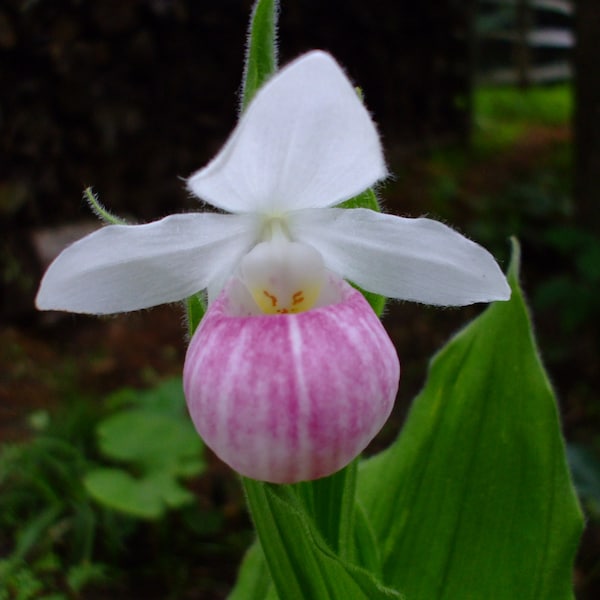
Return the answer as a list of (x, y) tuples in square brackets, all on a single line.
[(474, 499)]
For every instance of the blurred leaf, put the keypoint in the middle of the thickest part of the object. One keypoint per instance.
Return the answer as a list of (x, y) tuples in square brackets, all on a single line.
[(151, 440), (37, 528), (146, 498), (474, 499), (79, 576), (18, 581), (118, 490), (166, 397), (159, 443)]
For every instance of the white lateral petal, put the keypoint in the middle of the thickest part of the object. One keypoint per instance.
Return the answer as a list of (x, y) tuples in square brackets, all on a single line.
[(305, 141), (410, 259), (126, 267)]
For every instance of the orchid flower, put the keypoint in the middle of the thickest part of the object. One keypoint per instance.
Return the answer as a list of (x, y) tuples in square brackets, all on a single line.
[(290, 374)]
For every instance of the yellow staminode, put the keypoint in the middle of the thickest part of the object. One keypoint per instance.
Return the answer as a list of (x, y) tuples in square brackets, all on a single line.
[(283, 276), (272, 303)]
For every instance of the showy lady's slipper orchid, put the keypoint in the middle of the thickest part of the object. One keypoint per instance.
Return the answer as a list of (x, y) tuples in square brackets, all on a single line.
[(290, 374)]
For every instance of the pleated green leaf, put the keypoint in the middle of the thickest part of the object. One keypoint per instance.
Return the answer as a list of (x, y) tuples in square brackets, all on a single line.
[(301, 564), (474, 499), (330, 503)]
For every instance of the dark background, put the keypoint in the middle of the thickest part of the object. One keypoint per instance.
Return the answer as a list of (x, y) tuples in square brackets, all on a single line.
[(129, 95)]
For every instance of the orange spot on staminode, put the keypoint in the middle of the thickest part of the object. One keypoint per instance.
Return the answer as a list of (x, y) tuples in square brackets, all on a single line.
[(298, 298), (272, 298)]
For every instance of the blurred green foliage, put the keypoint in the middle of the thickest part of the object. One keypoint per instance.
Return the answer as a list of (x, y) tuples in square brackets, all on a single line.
[(501, 114), (49, 522), (63, 525), (153, 437)]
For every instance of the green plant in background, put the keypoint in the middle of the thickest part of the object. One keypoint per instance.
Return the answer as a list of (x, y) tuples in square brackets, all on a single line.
[(62, 505), (48, 521), (502, 114), (152, 436)]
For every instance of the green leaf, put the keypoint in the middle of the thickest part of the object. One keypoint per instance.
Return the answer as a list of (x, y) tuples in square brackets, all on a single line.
[(474, 499), (300, 562), (330, 503), (120, 491), (81, 575), (366, 199), (159, 444), (32, 532), (254, 581), (195, 310), (166, 397), (146, 497), (261, 53), (151, 440), (367, 553)]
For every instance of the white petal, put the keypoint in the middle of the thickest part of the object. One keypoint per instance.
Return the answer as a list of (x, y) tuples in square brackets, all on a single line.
[(305, 141), (410, 259), (127, 267)]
